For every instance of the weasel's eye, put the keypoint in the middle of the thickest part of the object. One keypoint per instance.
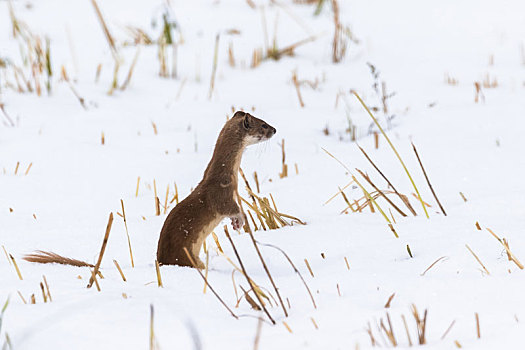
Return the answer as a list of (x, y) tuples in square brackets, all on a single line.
[(245, 123), (265, 126)]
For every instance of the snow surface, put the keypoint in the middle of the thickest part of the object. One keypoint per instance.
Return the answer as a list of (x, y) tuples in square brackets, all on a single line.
[(75, 182)]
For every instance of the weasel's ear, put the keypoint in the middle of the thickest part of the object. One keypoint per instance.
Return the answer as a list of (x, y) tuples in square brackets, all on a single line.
[(247, 122), (239, 114)]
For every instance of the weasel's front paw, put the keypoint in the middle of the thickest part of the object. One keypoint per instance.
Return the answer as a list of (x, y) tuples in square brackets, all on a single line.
[(237, 222)]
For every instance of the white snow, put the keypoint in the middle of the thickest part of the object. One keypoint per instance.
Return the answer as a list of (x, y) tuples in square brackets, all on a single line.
[(63, 203)]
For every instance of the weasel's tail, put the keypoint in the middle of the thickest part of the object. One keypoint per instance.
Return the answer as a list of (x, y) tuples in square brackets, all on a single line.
[(42, 257)]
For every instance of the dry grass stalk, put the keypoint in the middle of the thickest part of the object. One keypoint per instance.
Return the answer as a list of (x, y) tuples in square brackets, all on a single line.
[(139, 36), (258, 330), (166, 199), (367, 195), (463, 197), (206, 270), (159, 277), (47, 288), (272, 218), (448, 330), (105, 29), (94, 278), (372, 199), (479, 96), (16, 167), (308, 266), (112, 46), (450, 80), (253, 222), (176, 195), (390, 298), (338, 193), (28, 168), (505, 245), (392, 216), (33, 299), (9, 119), (477, 259), (208, 283), (80, 99), (388, 331), (119, 270), (127, 233), (102, 250), (254, 207), (245, 273), (46, 257), (284, 172), (489, 83), (235, 289), (157, 202), (478, 333), (231, 56), (97, 73), (164, 42), (155, 131), (314, 323), (287, 327), (295, 269), (297, 88), (264, 264), (256, 58), (152, 338), (338, 43), (347, 264), (130, 71), (256, 179), (137, 189), (257, 289), (6, 255), (21, 297), (216, 239), (434, 263), (393, 148), (428, 181), (276, 54), (250, 300), (371, 335), (36, 56), (409, 251), (214, 67), (16, 267), (421, 323), (44, 295), (367, 178), (406, 329)]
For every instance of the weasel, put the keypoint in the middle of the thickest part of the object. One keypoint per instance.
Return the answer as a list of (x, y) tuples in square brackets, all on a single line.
[(214, 199)]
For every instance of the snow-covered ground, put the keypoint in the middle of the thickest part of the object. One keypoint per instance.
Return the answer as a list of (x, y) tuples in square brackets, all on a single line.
[(75, 181)]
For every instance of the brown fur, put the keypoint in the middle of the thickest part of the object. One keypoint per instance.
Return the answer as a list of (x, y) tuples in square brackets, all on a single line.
[(214, 198)]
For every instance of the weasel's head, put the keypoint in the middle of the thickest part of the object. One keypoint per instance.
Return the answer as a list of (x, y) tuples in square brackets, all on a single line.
[(254, 130)]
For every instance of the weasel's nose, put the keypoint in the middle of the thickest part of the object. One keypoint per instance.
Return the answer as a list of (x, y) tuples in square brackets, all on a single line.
[(273, 130)]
